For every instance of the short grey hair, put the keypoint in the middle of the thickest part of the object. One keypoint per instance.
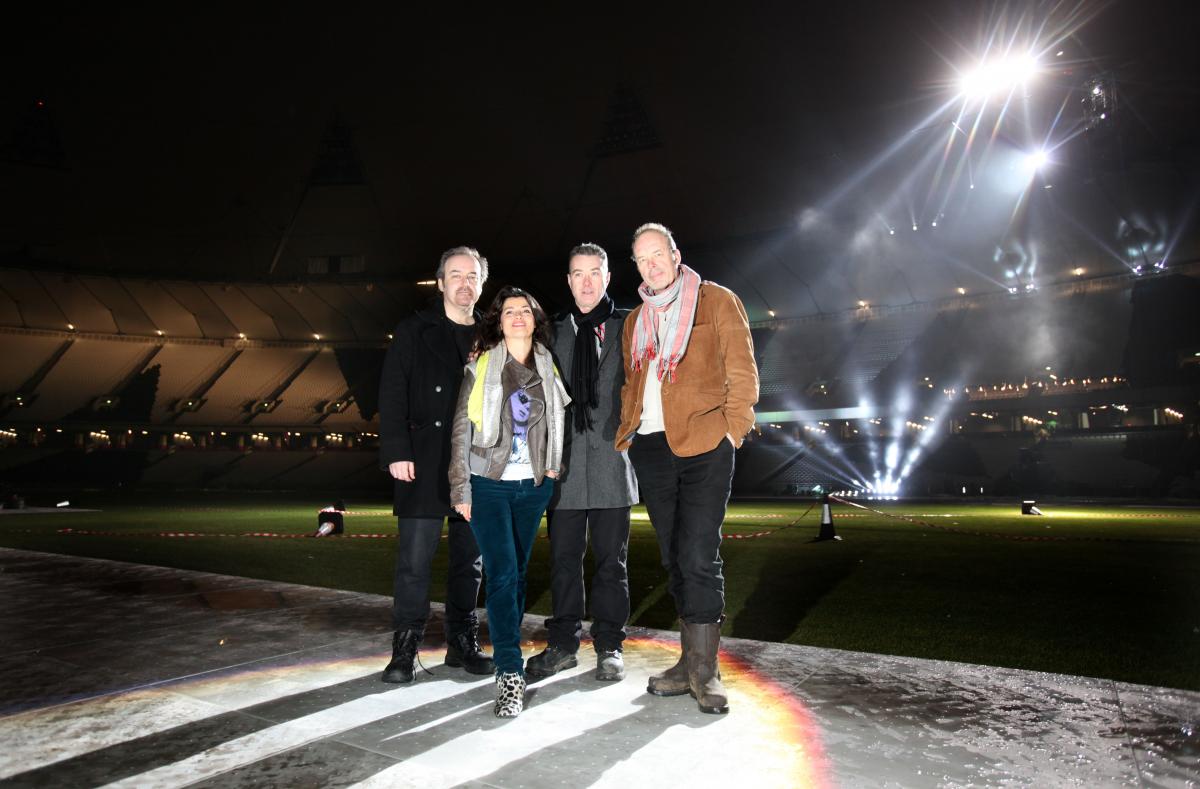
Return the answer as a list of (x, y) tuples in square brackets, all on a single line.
[(657, 227), (588, 248), (470, 252)]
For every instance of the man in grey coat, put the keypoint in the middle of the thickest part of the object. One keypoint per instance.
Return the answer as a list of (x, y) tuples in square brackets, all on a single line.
[(597, 487)]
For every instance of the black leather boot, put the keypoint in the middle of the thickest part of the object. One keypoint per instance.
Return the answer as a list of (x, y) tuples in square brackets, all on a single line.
[(462, 651), (404, 654), (549, 662)]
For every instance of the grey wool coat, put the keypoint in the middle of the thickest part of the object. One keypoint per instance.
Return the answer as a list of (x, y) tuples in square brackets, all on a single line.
[(595, 475)]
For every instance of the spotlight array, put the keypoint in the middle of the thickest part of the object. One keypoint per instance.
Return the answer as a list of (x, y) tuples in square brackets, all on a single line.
[(1055, 385)]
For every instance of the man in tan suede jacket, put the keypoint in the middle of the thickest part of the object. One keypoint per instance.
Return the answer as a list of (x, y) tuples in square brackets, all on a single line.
[(687, 403)]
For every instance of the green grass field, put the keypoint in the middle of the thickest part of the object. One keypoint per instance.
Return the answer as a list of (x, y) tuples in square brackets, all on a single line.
[(1104, 592)]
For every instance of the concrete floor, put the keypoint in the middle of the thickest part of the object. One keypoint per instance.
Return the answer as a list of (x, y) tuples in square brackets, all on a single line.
[(129, 675)]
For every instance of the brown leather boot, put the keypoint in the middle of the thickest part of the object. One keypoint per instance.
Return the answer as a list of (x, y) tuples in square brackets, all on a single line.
[(673, 681), (704, 675)]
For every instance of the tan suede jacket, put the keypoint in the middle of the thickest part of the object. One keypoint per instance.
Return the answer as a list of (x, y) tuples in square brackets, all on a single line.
[(716, 383)]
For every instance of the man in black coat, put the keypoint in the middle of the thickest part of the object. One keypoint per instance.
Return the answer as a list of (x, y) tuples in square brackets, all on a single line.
[(417, 396), (594, 494)]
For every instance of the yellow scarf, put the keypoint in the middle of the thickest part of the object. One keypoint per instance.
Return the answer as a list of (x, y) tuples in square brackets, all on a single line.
[(475, 401)]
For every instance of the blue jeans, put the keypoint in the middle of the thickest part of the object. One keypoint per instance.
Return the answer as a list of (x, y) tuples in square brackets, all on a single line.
[(505, 516)]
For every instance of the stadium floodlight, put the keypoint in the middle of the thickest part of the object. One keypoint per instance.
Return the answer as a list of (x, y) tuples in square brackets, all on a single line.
[(998, 75), (1036, 160)]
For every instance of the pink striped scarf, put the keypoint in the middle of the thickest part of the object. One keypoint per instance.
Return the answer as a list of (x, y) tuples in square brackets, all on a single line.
[(672, 309)]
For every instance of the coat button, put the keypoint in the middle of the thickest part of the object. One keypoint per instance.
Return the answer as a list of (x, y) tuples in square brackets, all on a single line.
[(437, 423), (437, 388)]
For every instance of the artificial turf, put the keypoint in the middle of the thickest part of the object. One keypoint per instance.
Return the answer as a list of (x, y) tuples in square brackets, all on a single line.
[(1099, 591)]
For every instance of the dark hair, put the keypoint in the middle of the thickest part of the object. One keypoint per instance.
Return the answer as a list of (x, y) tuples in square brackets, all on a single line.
[(488, 332), (470, 252), (588, 248)]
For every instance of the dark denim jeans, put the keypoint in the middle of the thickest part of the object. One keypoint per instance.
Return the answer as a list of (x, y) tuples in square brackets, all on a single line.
[(685, 498), (505, 516), (418, 542)]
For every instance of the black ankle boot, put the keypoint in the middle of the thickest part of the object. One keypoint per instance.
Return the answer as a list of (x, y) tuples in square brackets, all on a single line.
[(462, 651), (404, 653)]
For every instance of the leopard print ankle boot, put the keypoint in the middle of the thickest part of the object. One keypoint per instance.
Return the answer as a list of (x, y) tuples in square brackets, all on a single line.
[(510, 695)]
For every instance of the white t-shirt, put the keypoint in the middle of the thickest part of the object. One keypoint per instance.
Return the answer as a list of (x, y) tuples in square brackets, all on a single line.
[(652, 410), (519, 465)]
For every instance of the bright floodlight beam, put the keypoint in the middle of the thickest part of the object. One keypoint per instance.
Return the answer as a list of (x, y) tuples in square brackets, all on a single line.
[(996, 76), (1035, 161)]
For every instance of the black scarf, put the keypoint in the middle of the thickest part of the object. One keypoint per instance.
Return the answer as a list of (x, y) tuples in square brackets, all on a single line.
[(585, 363)]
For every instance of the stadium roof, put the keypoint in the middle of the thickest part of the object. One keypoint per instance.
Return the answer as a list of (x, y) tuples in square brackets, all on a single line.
[(792, 148)]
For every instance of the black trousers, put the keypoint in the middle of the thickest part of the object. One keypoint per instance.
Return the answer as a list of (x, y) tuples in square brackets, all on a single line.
[(417, 543), (569, 533), (686, 499)]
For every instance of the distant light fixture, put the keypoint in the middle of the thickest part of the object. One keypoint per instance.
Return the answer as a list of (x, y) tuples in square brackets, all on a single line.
[(771, 313), (972, 186), (427, 282), (159, 332), (961, 291), (316, 336), (863, 304), (1078, 271), (389, 336), (1058, 54), (914, 225), (1096, 91), (891, 231), (70, 327), (933, 223)]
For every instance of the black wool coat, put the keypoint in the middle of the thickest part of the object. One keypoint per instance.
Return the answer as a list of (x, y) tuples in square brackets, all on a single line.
[(418, 392)]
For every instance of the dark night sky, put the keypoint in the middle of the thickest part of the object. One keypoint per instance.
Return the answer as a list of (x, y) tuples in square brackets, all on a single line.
[(188, 135)]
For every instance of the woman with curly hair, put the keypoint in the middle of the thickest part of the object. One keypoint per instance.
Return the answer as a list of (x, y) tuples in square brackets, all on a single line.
[(505, 453)]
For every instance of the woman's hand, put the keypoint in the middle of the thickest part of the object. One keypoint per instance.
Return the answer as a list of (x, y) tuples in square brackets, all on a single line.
[(552, 474), (463, 510)]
